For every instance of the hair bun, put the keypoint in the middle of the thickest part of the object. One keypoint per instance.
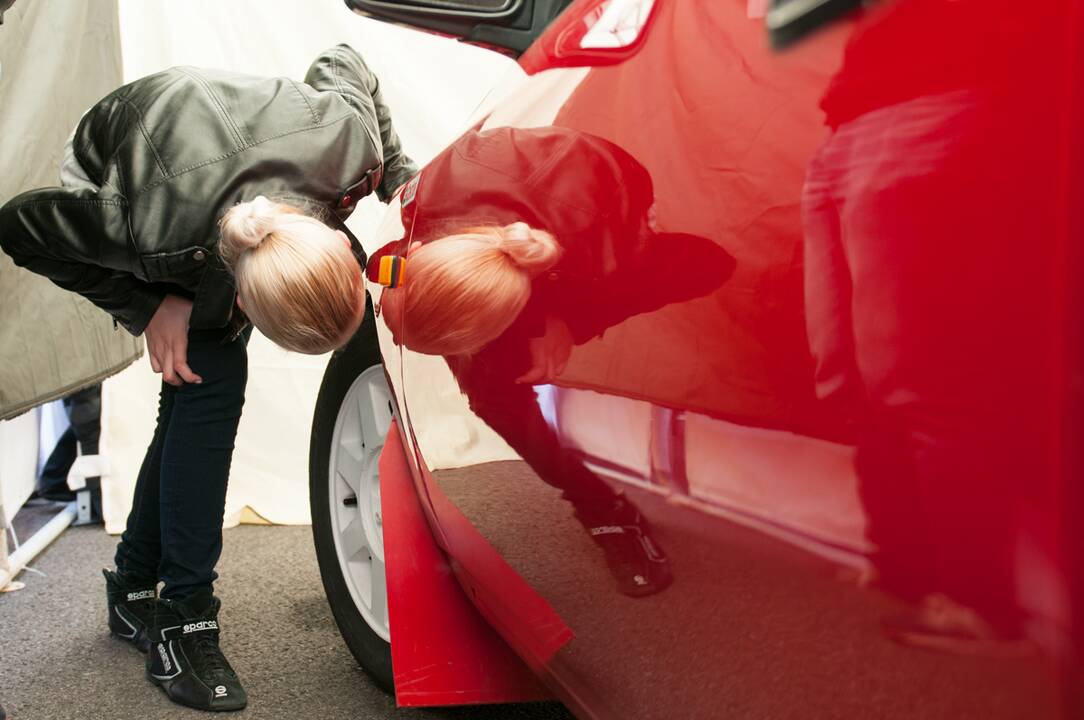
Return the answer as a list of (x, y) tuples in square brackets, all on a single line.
[(245, 225), (532, 250)]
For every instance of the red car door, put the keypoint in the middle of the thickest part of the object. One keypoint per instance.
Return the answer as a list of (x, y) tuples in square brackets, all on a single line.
[(779, 435)]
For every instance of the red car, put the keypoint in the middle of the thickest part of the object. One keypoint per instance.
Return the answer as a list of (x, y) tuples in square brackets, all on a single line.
[(792, 427)]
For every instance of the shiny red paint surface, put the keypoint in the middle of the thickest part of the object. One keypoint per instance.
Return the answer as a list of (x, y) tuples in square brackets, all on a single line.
[(825, 344), (444, 653)]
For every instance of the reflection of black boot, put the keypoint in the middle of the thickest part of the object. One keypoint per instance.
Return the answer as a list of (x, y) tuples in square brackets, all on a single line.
[(941, 624), (637, 562)]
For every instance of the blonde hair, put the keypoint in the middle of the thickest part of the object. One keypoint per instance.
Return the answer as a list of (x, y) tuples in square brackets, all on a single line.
[(462, 291), (298, 282)]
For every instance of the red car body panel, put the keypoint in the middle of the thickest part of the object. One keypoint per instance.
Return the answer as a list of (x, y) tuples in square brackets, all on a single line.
[(444, 653), (524, 617), (826, 342)]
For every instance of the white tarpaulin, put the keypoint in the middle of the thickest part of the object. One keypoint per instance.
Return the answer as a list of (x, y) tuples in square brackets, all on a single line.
[(432, 86)]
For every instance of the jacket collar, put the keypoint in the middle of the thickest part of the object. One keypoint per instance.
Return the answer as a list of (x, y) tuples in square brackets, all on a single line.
[(330, 218)]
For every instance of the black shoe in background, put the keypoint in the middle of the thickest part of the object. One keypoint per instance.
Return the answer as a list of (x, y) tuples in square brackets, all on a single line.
[(131, 608), (60, 495), (636, 561), (53, 482), (185, 659)]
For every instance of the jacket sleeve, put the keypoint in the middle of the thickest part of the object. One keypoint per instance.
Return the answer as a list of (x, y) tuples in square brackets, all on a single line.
[(342, 70), (60, 233)]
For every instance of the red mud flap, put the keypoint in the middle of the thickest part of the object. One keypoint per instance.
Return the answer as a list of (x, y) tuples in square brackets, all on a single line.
[(442, 651)]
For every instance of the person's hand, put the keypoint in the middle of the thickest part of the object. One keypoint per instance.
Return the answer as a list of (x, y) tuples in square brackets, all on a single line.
[(167, 341), (549, 353)]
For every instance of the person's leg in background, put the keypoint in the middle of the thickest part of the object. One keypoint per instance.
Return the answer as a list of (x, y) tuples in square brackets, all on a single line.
[(84, 409), (85, 413), (887, 486), (53, 481), (939, 472)]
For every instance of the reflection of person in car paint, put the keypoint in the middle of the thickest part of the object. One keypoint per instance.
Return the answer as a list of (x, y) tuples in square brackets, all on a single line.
[(469, 287), (505, 301), (910, 225)]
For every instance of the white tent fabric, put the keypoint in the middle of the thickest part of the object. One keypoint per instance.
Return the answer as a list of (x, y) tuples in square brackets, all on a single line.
[(432, 84), (18, 462), (18, 465)]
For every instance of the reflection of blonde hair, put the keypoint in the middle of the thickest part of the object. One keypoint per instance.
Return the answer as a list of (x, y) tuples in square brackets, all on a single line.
[(299, 283), (462, 291)]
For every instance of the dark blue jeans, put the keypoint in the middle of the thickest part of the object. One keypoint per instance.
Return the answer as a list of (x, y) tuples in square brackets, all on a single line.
[(174, 531)]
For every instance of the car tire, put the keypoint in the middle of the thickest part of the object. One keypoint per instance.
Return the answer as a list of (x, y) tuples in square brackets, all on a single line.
[(352, 372)]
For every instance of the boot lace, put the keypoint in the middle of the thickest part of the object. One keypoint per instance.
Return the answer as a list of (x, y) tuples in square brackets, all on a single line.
[(211, 658)]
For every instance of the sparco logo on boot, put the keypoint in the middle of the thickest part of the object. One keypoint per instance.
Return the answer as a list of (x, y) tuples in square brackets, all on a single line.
[(202, 625), (141, 595), (165, 658)]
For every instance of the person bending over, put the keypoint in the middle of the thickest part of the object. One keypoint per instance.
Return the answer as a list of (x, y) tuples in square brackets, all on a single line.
[(195, 201)]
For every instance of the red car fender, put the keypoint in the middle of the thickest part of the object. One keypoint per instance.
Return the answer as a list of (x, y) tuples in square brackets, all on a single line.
[(443, 652)]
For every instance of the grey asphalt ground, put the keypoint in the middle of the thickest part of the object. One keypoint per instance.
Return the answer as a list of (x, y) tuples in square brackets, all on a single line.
[(57, 661)]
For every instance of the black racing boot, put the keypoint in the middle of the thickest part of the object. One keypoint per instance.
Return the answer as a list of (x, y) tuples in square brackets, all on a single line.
[(636, 561), (131, 608), (185, 659)]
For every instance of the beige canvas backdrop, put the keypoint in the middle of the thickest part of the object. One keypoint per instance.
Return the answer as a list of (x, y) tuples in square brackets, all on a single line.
[(56, 57)]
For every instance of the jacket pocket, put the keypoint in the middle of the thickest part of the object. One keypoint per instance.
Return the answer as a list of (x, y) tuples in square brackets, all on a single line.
[(183, 267)]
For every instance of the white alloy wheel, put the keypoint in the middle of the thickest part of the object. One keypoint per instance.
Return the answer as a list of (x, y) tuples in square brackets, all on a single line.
[(354, 493)]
